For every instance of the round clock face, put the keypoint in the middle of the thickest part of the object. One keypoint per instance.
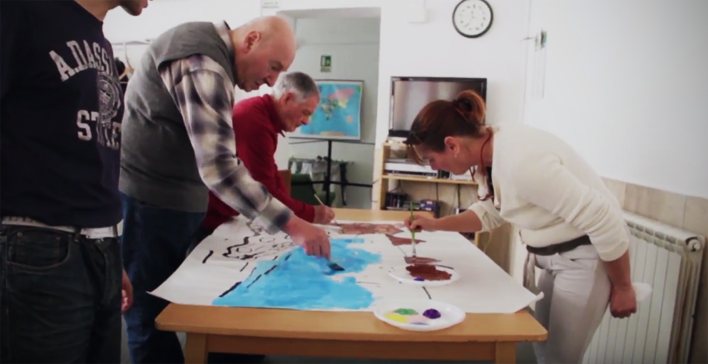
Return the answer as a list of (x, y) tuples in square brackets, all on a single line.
[(472, 18)]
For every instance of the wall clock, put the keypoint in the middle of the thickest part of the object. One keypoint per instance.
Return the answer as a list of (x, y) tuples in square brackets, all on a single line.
[(472, 18)]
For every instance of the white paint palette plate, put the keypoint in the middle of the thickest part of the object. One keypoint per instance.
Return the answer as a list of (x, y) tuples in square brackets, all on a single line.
[(410, 314), (402, 275)]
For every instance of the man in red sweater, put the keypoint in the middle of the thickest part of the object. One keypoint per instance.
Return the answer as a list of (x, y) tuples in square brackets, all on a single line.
[(257, 121)]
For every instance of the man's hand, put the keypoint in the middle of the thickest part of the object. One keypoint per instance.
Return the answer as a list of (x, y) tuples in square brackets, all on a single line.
[(420, 223), (323, 214), (314, 240), (126, 293), (623, 301)]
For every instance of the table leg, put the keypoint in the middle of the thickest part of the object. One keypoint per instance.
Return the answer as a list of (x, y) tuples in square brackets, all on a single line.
[(195, 352), (505, 353)]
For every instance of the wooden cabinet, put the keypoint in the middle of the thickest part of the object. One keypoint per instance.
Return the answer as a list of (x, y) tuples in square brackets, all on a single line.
[(450, 194)]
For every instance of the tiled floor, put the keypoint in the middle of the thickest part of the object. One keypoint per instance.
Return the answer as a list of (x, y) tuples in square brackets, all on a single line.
[(524, 355)]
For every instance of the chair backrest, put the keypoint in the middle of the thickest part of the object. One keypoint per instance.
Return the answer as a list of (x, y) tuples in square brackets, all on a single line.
[(304, 190), (286, 175)]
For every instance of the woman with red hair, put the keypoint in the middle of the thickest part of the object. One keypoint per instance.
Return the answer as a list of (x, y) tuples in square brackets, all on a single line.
[(570, 222)]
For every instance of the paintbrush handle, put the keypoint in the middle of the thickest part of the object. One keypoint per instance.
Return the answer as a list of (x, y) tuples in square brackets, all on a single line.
[(412, 231)]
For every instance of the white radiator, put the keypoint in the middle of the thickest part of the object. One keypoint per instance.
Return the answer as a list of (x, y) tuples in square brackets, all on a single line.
[(669, 260)]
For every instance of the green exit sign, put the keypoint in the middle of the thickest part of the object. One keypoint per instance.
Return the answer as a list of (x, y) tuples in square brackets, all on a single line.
[(326, 63), (269, 4)]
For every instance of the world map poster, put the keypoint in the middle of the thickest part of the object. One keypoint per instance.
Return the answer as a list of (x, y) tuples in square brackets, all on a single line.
[(338, 115)]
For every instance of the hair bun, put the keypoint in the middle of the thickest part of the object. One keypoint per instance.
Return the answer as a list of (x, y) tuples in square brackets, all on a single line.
[(471, 106), (464, 104)]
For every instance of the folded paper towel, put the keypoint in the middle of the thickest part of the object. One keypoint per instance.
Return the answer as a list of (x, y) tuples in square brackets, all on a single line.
[(641, 290)]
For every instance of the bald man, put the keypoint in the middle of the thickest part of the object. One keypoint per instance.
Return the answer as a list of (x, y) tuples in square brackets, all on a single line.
[(178, 144)]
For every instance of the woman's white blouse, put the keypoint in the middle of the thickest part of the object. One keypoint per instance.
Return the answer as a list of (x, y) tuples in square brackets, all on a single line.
[(544, 188)]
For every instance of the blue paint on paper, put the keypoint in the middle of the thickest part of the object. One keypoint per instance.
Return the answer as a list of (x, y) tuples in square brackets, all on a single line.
[(298, 281)]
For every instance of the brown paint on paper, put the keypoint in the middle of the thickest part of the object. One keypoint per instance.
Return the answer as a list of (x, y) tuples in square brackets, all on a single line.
[(402, 241), (420, 260), (366, 228), (428, 272)]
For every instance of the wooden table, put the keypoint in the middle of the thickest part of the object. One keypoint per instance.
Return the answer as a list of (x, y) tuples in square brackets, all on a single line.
[(345, 334)]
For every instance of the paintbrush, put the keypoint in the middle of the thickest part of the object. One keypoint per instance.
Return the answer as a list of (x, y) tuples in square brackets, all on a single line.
[(332, 265), (320, 201), (412, 230)]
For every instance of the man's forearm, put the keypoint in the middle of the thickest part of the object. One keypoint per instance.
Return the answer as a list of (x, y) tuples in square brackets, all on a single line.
[(204, 97), (466, 222), (619, 271)]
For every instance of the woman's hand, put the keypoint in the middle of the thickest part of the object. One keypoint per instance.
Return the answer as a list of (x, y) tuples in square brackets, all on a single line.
[(623, 301), (420, 223)]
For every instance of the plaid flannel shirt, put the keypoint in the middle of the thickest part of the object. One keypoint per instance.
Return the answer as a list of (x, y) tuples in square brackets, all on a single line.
[(204, 95)]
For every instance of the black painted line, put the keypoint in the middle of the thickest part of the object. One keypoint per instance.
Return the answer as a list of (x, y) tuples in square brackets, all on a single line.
[(254, 281), (250, 274), (230, 289), (207, 257), (428, 293), (444, 266), (244, 267)]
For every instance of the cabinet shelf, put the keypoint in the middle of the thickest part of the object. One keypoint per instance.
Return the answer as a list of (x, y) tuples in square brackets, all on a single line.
[(416, 191), (427, 180)]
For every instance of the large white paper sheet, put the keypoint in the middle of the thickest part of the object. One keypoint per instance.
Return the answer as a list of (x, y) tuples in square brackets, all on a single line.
[(222, 262)]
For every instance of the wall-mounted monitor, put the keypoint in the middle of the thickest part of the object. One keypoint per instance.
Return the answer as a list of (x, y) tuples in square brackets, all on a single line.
[(410, 94)]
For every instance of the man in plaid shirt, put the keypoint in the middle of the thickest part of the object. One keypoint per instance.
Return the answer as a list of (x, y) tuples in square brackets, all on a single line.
[(178, 143)]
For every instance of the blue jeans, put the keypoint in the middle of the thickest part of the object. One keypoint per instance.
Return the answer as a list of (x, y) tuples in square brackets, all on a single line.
[(155, 242), (60, 297)]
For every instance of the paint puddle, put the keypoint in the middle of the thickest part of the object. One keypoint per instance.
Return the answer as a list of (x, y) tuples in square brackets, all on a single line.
[(427, 272)]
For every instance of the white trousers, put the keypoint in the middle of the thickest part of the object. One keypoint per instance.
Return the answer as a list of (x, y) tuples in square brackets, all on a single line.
[(576, 290)]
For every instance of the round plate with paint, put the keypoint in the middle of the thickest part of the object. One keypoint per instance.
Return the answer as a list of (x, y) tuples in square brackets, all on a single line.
[(418, 315), (401, 274)]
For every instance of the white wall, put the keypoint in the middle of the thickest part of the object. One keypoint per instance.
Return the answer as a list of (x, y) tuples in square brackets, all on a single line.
[(434, 48), (353, 44), (161, 15), (120, 27), (626, 84)]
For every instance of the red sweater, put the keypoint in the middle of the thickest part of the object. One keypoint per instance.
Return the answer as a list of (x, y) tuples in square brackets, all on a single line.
[(257, 125)]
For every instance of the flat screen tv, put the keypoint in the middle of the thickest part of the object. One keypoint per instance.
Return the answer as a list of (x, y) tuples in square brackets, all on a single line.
[(410, 94)]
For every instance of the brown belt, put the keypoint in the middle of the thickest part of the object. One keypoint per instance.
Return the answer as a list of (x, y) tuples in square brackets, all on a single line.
[(560, 247)]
